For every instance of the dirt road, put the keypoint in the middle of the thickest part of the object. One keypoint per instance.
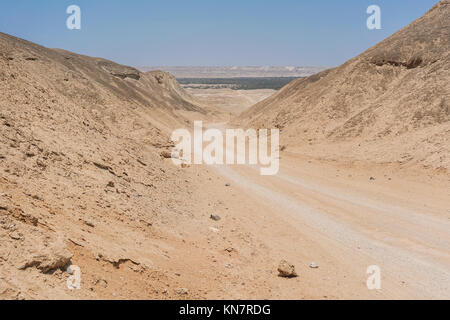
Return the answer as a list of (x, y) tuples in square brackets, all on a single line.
[(350, 221)]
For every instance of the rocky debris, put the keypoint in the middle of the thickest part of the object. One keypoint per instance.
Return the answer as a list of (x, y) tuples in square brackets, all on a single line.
[(230, 250), (286, 270), (102, 166), (141, 162), (41, 163), (117, 262), (227, 185), (120, 71), (48, 261), (166, 154), (215, 217), (110, 184), (181, 291), (48, 258), (372, 179), (89, 223), (15, 235), (159, 78), (101, 282), (314, 265)]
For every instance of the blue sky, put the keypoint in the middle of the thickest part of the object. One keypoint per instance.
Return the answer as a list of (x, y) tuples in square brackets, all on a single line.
[(210, 32)]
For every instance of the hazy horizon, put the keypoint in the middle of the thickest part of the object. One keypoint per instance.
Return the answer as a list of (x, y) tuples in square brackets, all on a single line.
[(205, 33)]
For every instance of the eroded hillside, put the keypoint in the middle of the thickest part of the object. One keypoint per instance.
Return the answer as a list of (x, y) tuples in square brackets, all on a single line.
[(81, 171), (390, 104)]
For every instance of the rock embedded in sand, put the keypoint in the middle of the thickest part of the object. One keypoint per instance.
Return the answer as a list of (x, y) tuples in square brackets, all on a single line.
[(181, 291), (48, 258), (286, 270), (166, 154), (15, 235), (215, 217)]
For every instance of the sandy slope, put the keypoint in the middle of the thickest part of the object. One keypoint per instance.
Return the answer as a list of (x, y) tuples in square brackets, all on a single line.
[(81, 172), (390, 104)]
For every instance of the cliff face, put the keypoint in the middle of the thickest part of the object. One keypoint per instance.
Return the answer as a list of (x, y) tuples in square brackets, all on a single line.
[(390, 104)]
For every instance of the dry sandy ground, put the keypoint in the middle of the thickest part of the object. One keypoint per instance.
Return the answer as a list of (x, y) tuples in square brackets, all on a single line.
[(313, 211), (334, 215), (228, 100), (345, 217)]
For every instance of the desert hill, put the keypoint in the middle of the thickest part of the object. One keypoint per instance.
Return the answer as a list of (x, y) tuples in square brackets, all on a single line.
[(81, 171), (390, 104)]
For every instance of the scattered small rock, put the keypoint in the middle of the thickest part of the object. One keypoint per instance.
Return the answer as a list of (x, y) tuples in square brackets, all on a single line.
[(227, 185), (314, 265), (141, 162), (286, 270), (181, 291), (110, 184), (102, 283), (89, 223), (166, 154), (372, 179), (15, 235), (215, 217)]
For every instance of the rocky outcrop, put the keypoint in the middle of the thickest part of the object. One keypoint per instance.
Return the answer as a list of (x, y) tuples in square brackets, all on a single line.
[(120, 71)]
